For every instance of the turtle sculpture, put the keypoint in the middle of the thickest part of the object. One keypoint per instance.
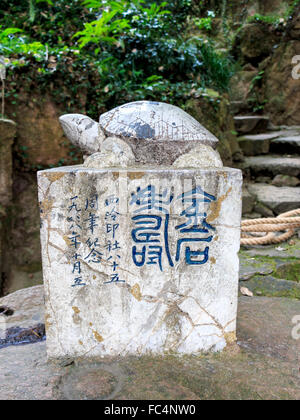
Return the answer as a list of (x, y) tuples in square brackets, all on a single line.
[(142, 132)]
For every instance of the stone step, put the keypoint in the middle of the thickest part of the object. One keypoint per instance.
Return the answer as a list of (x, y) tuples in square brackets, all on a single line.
[(256, 144), (278, 199), (282, 141), (272, 165), (255, 124), (288, 144)]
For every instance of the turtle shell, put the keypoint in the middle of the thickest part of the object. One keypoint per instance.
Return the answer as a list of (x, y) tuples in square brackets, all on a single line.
[(147, 120)]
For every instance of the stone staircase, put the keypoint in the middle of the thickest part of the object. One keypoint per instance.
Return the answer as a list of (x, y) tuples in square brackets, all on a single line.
[(271, 166)]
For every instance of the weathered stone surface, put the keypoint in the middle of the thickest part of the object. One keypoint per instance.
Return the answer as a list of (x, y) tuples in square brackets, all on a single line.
[(277, 199), (289, 270), (108, 159), (7, 134), (263, 179), (252, 215), (280, 90), (249, 45), (240, 89), (249, 267), (263, 210), (265, 326), (285, 181), (26, 308), (168, 143), (168, 305), (282, 251), (83, 132), (257, 145), (157, 133), (116, 145), (273, 287), (283, 268), (239, 107), (201, 157), (23, 243), (25, 374), (264, 334), (286, 144), (248, 201), (274, 165), (40, 139), (155, 121), (251, 124)]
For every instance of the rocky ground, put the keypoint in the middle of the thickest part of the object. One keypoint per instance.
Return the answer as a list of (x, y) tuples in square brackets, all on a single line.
[(264, 365)]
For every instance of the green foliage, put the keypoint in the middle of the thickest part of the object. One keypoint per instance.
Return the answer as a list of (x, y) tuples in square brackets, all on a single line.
[(268, 19), (112, 51), (256, 79), (255, 101), (291, 10), (203, 23), (219, 68)]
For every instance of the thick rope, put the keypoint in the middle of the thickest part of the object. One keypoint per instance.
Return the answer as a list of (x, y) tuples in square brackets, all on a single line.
[(284, 222)]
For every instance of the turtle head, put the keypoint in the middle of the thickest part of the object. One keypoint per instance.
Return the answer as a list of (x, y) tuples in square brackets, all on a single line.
[(82, 131)]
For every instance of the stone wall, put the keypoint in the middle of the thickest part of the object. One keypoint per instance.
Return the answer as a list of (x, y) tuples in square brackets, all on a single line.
[(7, 134), (280, 89), (40, 141), (265, 83)]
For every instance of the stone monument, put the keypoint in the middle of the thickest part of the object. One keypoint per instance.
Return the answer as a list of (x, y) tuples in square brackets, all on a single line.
[(140, 243)]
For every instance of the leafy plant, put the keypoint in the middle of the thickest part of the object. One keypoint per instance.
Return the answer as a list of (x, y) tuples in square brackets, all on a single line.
[(6, 33), (268, 19), (256, 79), (113, 51), (205, 22)]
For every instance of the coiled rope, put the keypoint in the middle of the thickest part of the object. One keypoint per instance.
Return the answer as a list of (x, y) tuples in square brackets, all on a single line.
[(288, 222)]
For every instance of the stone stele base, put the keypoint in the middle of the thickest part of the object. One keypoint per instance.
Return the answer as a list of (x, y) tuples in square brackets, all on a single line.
[(139, 261)]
